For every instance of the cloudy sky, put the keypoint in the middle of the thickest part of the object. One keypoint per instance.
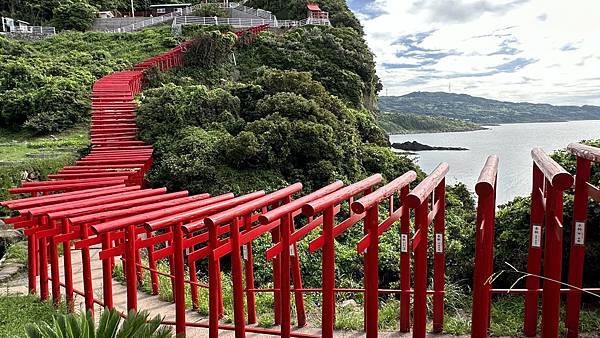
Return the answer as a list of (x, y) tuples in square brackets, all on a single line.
[(545, 51)]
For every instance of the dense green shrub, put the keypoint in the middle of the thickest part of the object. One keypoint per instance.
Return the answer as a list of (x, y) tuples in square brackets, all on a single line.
[(291, 127), (191, 31), (211, 10), (338, 58), (74, 15), (45, 85), (209, 49)]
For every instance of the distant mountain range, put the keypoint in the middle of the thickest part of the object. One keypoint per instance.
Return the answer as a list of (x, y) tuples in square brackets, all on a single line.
[(483, 111)]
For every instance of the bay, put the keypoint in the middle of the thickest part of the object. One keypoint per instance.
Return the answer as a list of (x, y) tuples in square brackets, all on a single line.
[(511, 142)]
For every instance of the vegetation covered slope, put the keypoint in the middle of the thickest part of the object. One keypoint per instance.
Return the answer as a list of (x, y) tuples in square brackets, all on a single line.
[(410, 123), (45, 85), (483, 111)]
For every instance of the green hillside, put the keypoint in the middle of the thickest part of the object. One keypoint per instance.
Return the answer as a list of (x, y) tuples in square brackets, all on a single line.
[(45, 85), (483, 111), (410, 123)]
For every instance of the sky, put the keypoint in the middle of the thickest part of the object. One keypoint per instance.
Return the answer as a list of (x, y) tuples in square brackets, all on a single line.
[(542, 51)]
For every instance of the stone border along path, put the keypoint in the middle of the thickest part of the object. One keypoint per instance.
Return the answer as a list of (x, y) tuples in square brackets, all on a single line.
[(119, 134)]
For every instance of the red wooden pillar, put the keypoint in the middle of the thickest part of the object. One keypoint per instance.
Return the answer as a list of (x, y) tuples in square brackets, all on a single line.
[(88, 290), (439, 198), (130, 267), (420, 285), (237, 280), (249, 274), (372, 272), (214, 290), (328, 274), (179, 286), (405, 263), (285, 276), (484, 248), (32, 266), (535, 254), (276, 237), (67, 229), (43, 264), (153, 266), (53, 248), (107, 269), (297, 278), (577, 255), (552, 263)]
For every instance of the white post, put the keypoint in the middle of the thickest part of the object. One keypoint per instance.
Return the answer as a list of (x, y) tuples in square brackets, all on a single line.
[(132, 10)]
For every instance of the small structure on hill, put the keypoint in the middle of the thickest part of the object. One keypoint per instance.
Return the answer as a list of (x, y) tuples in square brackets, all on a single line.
[(316, 16), (105, 15), (163, 9), (12, 25)]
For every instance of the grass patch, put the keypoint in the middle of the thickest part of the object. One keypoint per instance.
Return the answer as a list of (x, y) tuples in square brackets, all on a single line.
[(17, 311), (22, 146), (25, 156), (17, 252)]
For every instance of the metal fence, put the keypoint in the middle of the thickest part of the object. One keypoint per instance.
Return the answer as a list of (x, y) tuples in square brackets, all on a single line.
[(245, 23), (34, 30), (152, 21)]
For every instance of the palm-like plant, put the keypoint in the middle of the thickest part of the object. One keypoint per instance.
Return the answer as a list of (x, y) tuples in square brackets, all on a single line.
[(137, 324)]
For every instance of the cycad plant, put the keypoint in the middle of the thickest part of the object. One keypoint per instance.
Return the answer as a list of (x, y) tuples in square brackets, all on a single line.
[(137, 324)]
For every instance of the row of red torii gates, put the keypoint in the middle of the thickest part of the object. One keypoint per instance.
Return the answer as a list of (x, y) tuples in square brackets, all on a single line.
[(102, 201)]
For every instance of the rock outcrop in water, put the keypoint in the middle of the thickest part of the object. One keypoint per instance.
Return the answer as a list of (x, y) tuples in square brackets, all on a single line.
[(416, 146)]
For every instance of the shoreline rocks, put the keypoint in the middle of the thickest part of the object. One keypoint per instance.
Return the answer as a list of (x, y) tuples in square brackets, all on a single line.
[(416, 146)]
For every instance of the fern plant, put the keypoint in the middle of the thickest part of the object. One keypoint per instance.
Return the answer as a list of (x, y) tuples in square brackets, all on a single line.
[(137, 324)]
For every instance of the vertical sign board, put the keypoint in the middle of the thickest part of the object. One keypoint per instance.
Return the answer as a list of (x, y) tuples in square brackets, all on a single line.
[(439, 243), (404, 243), (245, 251), (536, 236), (579, 233)]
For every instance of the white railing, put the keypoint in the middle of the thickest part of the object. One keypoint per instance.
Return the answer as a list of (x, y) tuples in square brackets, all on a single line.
[(261, 13), (152, 21), (34, 29), (315, 21), (245, 23), (208, 20)]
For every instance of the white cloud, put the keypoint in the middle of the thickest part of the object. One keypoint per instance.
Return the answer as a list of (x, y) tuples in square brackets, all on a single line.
[(536, 50)]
